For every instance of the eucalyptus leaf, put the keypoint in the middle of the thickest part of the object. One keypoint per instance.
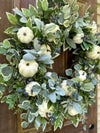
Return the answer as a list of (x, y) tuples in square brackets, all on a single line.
[(71, 43), (6, 71), (39, 23), (52, 97), (23, 20), (24, 124), (68, 72), (37, 122), (29, 57), (36, 44)]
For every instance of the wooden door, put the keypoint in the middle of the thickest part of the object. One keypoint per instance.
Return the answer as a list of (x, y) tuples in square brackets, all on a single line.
[(7, 119)]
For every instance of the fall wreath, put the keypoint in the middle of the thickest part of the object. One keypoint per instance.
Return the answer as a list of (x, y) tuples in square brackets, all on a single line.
[(35, 39)]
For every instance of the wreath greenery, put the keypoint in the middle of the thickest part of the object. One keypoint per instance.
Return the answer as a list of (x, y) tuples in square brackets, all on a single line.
[(35, 39)]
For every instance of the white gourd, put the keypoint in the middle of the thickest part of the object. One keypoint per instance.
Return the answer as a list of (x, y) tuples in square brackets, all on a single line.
[(45, 49), (72, 111), (28, 68), (29, 90), (82, 75)]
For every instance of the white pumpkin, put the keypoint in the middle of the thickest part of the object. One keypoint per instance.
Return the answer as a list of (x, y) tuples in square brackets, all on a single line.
[(94, 53), (82, 75), (72, 111), (93, 27), (28, 68), (78, 38), (45, 49), (25, 35), (65, 87), (43, 109), (29, 90)]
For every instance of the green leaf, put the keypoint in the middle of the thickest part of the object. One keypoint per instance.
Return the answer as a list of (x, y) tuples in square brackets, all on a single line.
[(75, 121), (6, 71), (45, 5), (24, 124), (12, 18), (23, 116), (29, 57), (4, 99), (39, 23), (36, 88), (37, 122), (2, 87), (10, 30), (18, 12), (36, 44), (31, 117), (77, 67), (58, 123), (68, 72), (1, 94), (26, 12), (33, 11), (85, 45), (39, 7), (29, 24), (60, 91), (6, 44), (52, 97), (3, 50), (44, 57), (87, 87), (71, 43), (25, 105), (23, 20), (44, 123)]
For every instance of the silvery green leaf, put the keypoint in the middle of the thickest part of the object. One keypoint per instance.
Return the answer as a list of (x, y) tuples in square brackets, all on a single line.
[(30, 117), (39, 23), (87, 87), (48, 62), (6, 71), (49, 27), (44, 57), (23, 116), (77, 107), (37, 122), (51, 83), (6, 44), (71, 43), (45, 5), (18, 12), (36, 88), (39, 7), (44, 123), (52, 97), (60, 91), (77, 67), (24, 124), (29, 57), (32, 51), (33, 11), (25, 12), (3, 50), (36, 44), (68, 72), (23, 20), (25, 105)]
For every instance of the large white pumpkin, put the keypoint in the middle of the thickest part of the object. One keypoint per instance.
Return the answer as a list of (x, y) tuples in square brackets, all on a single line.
[(82, 75), (45, 49), (29, 90), (65, 88), (43, 109), (78, 38), (25, 35), (28, 68), (72, 111), (94, 53)]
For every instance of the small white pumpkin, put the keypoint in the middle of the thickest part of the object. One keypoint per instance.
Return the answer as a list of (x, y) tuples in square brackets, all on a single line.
[(45, 49), (72, 111), (78, 38), (28, 68), (43, 109), (82, 75), (94, 53), (29, 90), (65, 88), (93, 27), (25, 35)]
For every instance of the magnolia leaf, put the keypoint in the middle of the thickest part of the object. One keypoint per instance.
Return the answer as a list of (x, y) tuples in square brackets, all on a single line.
[(29, 57), (71, 43), (36, 44), (23, 20), (52, 97), (6, 44), (39, 23), (24, 124), (37, 122), (12, 18), (45, 5), (18, 12), (26, 12), (33, 11)]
